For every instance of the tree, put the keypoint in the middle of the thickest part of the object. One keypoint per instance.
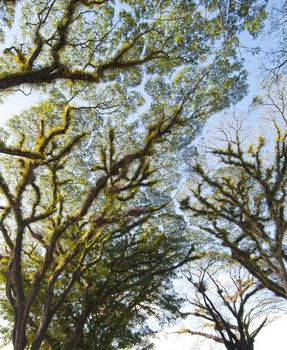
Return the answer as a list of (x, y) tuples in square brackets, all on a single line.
[(229, 303), (96, 41), (90, 237), (80, 225), (80, 222), (243, 202), (277, 56)]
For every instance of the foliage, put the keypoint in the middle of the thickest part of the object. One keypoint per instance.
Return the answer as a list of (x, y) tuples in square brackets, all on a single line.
[(91, 239), (242, 203), (6, 16), (83, 237), (96, 41)]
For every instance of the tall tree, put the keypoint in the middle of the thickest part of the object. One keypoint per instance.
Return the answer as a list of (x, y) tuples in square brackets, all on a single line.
[(82, 217), (242, 203), (76, 220)]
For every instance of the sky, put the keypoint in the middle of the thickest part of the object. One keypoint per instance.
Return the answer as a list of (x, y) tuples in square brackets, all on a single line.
[(271, 337)]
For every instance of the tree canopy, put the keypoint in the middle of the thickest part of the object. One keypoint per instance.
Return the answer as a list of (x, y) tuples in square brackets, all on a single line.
[(90, 236), (96, 41)]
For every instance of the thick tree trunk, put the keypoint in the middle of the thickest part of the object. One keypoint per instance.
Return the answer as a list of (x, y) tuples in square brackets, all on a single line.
[(78, 332), (20, 341)]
